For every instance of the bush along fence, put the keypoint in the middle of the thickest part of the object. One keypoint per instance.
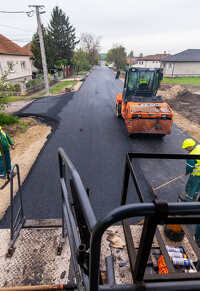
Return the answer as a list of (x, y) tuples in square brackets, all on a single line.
[(26, 87)]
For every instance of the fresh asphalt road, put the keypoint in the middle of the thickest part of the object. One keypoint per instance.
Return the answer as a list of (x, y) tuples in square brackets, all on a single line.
[(96, 141)]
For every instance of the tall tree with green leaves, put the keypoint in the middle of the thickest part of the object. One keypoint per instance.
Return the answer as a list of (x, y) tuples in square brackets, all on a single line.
[(49, 50), (63, 35)]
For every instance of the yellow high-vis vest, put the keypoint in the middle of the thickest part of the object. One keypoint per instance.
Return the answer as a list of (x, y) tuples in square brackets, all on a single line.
[(6, 139), (196, 169)]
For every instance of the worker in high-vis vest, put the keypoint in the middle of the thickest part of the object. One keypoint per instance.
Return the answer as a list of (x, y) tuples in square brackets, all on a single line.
[(192, 188), (5, 144)]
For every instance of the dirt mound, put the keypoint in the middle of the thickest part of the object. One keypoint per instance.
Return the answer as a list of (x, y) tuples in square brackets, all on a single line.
[(171, 91), (16, 129), (165, 86), (184, 102)]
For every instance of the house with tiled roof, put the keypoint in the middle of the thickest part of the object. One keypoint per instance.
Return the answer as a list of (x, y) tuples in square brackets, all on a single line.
[(27, 47), (186, 63), (151, 61), (16, 59)]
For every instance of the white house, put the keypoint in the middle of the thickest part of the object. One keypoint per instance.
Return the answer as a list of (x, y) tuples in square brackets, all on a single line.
[(16, 59), (151, 61), (186, 63), (27, 47)]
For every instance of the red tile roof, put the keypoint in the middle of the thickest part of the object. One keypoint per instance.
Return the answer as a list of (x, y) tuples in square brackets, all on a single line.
[(156, 57), (27, 47), (8, 47)]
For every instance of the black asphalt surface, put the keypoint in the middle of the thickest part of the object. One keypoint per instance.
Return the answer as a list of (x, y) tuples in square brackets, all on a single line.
[(85, 126)]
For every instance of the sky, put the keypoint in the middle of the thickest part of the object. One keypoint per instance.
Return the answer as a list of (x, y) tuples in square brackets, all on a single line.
[(145, 26)]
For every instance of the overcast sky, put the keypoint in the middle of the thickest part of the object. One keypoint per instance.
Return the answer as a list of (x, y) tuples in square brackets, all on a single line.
[(144, 26)]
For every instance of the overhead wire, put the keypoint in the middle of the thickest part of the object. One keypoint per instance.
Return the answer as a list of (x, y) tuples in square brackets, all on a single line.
[(29, 13), (15, 28)]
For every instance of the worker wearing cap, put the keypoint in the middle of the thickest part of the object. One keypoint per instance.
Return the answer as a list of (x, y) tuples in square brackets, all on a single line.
[(6, 142), (192, 188)]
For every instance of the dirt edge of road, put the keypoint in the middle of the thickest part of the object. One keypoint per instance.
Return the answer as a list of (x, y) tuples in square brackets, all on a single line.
[(28, 144)]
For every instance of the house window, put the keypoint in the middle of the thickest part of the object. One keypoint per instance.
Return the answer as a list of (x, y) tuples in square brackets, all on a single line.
[(164, 65), (170, 65), (10, 66), (23, 65)]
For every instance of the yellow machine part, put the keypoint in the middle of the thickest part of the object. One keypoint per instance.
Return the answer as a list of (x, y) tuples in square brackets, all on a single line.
[(175, 227)]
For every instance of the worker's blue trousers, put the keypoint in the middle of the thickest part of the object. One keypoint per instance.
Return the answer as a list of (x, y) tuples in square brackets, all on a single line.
[(192, 188), (192, 191), (2, 164)]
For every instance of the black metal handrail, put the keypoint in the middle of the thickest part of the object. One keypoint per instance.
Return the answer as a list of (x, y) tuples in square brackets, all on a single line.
[(17, 222), (68, 220), (189, 212)]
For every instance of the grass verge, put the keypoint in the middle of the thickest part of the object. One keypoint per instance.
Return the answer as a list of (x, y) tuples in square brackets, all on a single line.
[(183, 80), (7, 119), (61, 86)]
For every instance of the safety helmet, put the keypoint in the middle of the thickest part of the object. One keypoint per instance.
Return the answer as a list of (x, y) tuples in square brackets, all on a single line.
[(188, 143)]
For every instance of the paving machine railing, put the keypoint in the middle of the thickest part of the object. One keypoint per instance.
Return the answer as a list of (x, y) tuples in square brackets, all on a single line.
[(16, 223), (86, 258)]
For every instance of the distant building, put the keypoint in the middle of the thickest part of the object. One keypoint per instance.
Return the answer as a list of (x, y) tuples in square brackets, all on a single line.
[(186, 63), (133, 60), (151, 61), (16, 59)]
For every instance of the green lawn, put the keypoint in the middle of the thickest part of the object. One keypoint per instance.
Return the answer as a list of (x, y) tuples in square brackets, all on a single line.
[(183, 80), (62, 85), (53, 90), (15, 98)]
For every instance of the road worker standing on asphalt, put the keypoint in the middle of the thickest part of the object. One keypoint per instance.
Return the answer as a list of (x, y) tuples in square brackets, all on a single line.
[(5, 161), (192, 188)]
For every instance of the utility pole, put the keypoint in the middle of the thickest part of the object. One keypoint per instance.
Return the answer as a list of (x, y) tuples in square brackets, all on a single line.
[(44, 62)]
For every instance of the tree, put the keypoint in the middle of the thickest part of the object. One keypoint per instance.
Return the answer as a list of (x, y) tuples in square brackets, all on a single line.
[(6, 89), (91, 45), (117, 55), (63, 35), (141, 55), (110, 56), (49, 50), (131, 54), (80, 61)]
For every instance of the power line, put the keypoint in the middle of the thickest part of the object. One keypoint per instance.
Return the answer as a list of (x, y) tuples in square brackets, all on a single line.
[(15, 28), (16, 11), (29, 13)]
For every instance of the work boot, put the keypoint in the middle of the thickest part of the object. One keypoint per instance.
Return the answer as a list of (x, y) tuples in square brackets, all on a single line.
[(185, 198), (195, 197)]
